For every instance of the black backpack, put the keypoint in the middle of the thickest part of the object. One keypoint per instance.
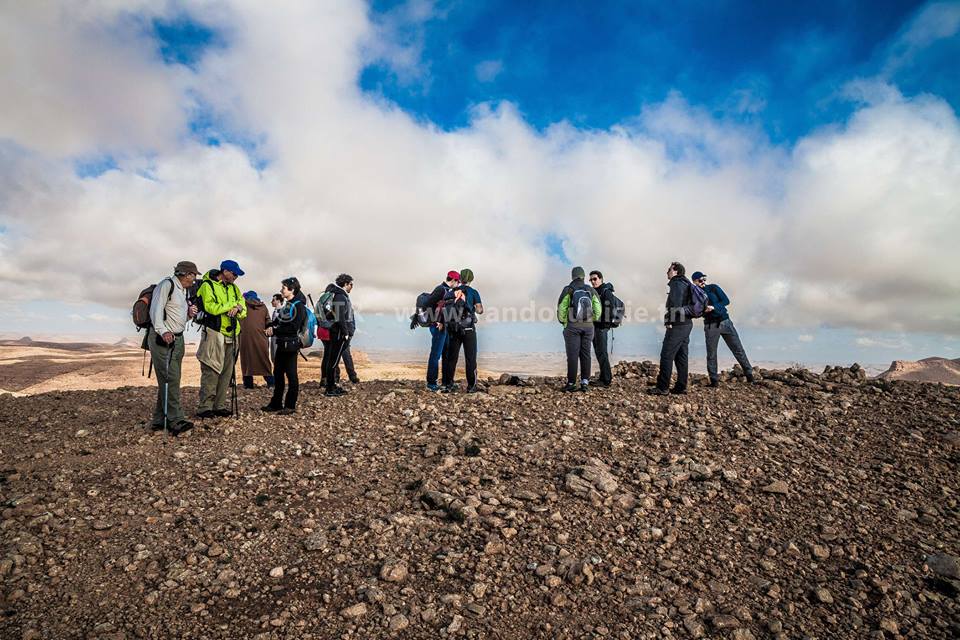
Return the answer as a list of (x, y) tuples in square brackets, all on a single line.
[(613, 310), (457, 317)]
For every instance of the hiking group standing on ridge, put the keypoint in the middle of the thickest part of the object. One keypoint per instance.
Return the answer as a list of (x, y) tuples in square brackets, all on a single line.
[(268, 344)]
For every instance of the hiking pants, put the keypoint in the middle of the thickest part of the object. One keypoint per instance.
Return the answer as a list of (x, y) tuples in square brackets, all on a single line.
[(167, 377), (213, 385), (455, 339), (713, 332), (676, 345), (347, 362), (331, 359), (438, 340), (285, 373), (577, 341), (603, 354)]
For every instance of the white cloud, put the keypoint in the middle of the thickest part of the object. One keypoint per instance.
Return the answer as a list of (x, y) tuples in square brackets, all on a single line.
[(488, 70), (882, 343), (806, 337), (935, 21), (831, 231)]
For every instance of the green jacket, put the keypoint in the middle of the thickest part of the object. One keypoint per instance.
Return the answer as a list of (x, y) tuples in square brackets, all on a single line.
[(218, 298), (563, 305)]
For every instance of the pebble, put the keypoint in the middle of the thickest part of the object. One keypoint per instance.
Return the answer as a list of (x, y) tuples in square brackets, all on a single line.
[(356, 611), (777, 486)]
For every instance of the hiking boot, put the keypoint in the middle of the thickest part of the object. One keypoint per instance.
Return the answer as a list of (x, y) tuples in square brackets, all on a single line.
[(584, 387), (473, 389), (156, 427), (433, 387), (605, 383), (678, 392), (334, 393), (354, 379), (180, 427), (270, 408), (223, 413), (323, 382), (657, 391), (751, 379), (571, 386), (714, 384), (206, 413), (286, 412), (447, 388)]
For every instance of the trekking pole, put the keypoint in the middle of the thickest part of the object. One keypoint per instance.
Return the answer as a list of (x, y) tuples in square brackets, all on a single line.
[(166, 386)]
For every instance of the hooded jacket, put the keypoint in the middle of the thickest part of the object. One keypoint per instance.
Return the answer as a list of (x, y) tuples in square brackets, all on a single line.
[(563, 304), (602, 291), (255, 347), (344, 323), (719, 301), (290, 318), (678, 303), (218, 298)]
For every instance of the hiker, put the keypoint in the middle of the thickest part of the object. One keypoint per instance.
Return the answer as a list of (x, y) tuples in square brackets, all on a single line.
[(169, 312), (223, 309), (286, 331), (276, 302), (347, 358), (443, 292), (577, 309), (342, 330), (601, 328), (676, 341), (461, 328), (255, 347), (717, 324)]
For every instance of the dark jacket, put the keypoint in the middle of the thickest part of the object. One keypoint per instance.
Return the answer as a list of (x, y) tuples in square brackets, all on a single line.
[(602, 291), (679, 299), (344, 324), (719, 302), (288, 325), (439, 292)]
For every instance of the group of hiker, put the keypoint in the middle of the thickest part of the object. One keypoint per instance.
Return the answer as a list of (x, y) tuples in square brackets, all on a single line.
[(234, 325), (268, 344), (589, 311)]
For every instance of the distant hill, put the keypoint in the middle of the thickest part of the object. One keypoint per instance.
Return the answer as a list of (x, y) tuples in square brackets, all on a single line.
[(926, 370)]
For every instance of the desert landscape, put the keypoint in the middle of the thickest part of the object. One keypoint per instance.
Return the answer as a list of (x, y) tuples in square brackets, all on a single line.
[(808, 506)]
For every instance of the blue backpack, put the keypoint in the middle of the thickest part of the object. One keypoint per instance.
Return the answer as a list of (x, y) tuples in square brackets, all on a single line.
[(698, 301), (308, 331)]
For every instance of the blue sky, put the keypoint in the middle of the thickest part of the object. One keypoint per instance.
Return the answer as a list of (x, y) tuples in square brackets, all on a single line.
[(777, 65), (804, 154)]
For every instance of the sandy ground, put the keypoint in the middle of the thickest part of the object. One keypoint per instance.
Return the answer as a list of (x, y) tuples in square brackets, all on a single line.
[(39, 367)]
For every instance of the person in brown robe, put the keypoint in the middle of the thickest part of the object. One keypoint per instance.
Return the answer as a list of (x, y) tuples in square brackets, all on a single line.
[(255, 346)]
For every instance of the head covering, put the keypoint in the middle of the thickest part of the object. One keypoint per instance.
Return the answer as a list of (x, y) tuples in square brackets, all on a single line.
[(453, 275), (251, 295), (578, 273), (697, 275), (231, 266), (185, 267), (466, 276)]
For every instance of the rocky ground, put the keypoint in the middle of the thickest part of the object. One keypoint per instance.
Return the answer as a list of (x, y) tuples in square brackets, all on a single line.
[(808, 506)]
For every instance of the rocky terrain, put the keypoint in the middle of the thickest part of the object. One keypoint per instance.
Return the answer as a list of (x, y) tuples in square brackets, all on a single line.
[(807, 506), (939, 370)]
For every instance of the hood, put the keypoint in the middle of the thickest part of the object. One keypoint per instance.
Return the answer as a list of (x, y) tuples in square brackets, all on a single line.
[(606, 286), (212, 275), (255, 304), (332, 288)]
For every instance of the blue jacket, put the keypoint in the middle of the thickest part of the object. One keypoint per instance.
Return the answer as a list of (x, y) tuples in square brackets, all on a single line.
[(719, 301)]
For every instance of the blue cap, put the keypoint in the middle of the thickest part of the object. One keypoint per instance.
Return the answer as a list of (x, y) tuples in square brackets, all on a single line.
[(231, 266), (697, 275), (252, 295)]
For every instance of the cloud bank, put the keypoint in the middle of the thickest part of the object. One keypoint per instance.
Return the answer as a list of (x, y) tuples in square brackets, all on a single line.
[(853, 225)]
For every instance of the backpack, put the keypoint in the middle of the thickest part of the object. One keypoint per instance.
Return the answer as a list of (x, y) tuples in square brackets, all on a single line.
[(613, 310), (581, 304), (424, 316), (141, 308), (698, 301), (203, 318), (325, 317), (309, 330), (456, 316)]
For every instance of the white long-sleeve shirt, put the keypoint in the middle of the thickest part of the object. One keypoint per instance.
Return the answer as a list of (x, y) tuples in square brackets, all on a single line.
[(175, 309)]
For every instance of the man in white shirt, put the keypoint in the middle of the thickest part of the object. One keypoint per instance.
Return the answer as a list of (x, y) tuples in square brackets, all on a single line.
[(169, 312)]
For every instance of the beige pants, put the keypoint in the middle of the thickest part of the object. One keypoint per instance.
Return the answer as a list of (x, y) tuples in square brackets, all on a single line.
[(213, 385)]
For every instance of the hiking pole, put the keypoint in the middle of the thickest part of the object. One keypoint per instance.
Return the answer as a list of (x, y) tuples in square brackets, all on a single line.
[(166, 386)]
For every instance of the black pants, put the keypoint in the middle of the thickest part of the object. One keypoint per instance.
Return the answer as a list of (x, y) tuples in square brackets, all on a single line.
[(332, 353), (468, 340), (577, 341), (676, 345), (603, 354), (285, 366), (347, 362)]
